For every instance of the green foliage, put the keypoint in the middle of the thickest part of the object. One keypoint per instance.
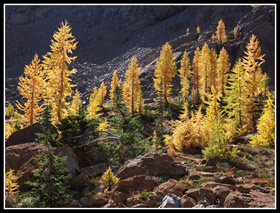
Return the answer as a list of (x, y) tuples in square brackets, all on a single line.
[(145, 195), (218, 146), (128, 128), (75, 125), (50, 188)]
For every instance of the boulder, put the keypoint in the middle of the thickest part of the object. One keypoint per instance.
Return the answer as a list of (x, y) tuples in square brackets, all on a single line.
[(95, 170), (133, 185), (93, 201), (212, 184), (202, 194), (171, 202), (152, 164), (253, 199), (79, 182), (172, 187), (187, 202), (21, 158), (221, 193), (155, 199), (26, 135)]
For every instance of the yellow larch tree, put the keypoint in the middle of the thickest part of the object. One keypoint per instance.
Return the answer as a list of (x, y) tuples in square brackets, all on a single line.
[(164, 72), (198, 30), (195, 76), (253, 77), (102, 91), (31, 87), (132, 93), (93, 107), (266, 126), (184, 74), (213, 69), (221, 36), (58, 75), (204, 69), (223, 67), (114, 83), (76, 102)]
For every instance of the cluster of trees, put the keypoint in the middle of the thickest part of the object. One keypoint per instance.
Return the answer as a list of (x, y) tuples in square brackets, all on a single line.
[(219, 103)]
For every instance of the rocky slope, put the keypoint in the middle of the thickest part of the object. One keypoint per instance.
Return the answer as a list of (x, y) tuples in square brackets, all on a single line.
[(110, 35)]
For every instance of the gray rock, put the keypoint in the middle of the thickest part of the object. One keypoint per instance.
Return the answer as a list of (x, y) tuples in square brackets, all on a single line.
[(171, 202)]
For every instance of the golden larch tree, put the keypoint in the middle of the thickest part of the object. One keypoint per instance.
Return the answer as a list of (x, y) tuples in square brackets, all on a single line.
[(76, 102), (132, 93), (58, 75), (195, 76), (266, 126), (213, 69), (102, 91), (164, 72), (184, 74), (31, 87), (221, 36), (204, 69), (251, 63), (114, 83), (223, 67), (93, 107)]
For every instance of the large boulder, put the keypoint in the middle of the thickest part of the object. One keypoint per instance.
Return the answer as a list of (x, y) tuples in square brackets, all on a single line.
[(26, 135), (253, 199), (152, 164), (172, 187), (21, 158)]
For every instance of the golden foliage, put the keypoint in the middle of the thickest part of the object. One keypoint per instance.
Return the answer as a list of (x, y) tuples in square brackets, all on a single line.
[(58, 75), (108, 179), (76, 102), (184, 74), (223, 67), (132, 93), (93, 106), (266, 126), (164, 72), (195, 76), (102, 91), (198, 30), (31, 87), (114, 83), (11, 186), (221, 32)]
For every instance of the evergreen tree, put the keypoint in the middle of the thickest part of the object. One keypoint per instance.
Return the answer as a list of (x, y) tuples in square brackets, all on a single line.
[(31, 87), (165, 71), (50, 188), (58, 75)]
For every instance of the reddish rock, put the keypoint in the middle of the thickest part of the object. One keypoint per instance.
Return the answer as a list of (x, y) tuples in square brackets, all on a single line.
[(152, 164), (21, 158), (172, 187), (200, 194), (188, 202), (133, 185)]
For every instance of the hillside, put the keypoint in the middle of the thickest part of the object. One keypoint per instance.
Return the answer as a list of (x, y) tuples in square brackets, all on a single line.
[(107, 41), (128, 109)]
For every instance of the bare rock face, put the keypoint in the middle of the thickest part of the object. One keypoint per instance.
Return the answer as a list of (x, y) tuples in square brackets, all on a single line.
[(21, 159), (152, 164)]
